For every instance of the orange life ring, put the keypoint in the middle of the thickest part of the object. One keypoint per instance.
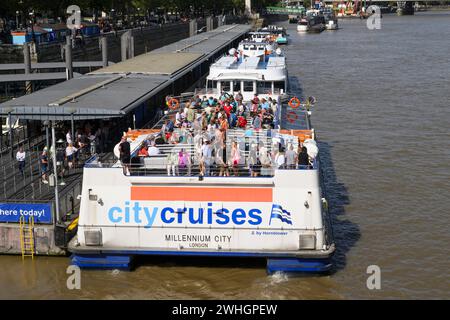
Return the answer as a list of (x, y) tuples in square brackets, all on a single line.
[(173, 104), (294, 103)]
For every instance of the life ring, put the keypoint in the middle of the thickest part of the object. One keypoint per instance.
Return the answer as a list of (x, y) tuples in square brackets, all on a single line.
[(173, 104), (294, 103), (291, 117)]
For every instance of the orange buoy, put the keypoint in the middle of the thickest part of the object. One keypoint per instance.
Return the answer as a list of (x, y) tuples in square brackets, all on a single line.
[(173, 103), (294, 103)]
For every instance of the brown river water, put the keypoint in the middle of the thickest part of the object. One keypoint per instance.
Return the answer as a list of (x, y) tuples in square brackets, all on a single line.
[(383, 119)]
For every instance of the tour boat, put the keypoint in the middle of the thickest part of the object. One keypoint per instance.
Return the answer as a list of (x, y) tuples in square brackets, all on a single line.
[(314, 21), (262, 36), (279, 33), (331, 21), (280, 215)]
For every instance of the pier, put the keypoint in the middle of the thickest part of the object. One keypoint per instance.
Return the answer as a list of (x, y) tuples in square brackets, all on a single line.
[(125, 94)]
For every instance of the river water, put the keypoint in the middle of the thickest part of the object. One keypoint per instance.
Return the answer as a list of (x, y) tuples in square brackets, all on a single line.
[(383, 119)]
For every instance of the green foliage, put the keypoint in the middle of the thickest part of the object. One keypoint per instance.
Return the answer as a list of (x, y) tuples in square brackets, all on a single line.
[(58, 7)]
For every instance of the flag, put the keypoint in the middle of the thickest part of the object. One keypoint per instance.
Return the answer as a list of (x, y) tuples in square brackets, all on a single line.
[(279, 213)]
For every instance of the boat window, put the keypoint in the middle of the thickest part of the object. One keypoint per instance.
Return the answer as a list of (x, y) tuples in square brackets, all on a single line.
[(278, 85), (212, 84), (248, 86), (264, 86), (236, 86), (245, 47), (225, 85)]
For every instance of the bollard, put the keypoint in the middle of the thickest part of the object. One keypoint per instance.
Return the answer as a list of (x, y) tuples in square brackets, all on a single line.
[(131, 47), (104, 43), (125, 45), (68, 56)]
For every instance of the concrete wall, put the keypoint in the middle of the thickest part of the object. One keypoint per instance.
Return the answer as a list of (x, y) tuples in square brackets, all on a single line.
[(43, 237)]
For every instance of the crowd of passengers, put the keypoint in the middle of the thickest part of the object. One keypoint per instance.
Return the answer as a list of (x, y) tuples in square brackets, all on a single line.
[(203, 123)]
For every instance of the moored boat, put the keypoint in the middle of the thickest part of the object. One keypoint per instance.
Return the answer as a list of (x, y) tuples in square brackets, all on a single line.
[(155, 204)]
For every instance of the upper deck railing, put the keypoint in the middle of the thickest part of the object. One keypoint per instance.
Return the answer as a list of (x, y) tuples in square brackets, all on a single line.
[(258, 150)]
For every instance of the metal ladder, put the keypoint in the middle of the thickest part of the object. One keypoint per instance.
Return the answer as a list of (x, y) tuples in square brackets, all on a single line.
[(27, 237)]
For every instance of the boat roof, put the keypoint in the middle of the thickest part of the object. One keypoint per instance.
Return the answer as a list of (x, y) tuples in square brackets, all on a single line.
[(250, 63)]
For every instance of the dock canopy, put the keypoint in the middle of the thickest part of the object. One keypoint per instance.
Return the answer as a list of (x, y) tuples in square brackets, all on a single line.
[(118, 89)]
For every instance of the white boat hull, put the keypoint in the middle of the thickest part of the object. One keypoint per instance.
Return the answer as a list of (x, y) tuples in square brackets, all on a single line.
[(302, 28), (331, 26)]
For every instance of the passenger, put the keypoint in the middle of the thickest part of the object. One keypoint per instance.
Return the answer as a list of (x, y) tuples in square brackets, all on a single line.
[(92, 143), (257, 122), (206, 158), (291, 157), (172, 162), (70, 155), (255, 103), (204, 102), (264, 158), (209, 109), (233, 120), (179, 117), (153, 149), (44, 164), (223, 123), (169, 125), (280, 159), (190, 114), (303, 158), (241, 109), (125, 156), (239, 97), (227, 108), (184, 161), (241, 122), (235, 158), (254, 164), (221, 164), (20, 157), (174, 138), (143, 152), (264, 104)]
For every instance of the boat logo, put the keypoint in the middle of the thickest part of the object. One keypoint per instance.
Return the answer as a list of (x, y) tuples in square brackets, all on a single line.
[(279, 213)]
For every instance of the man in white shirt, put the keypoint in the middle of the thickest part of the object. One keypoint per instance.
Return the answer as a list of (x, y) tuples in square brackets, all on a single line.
[(70, 154), (291, 157), (20, 157), (153, 149), (206, 157)]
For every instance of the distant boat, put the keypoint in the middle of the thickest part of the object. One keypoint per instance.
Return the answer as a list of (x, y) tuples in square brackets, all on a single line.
[(314, 21), (331, 21)]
